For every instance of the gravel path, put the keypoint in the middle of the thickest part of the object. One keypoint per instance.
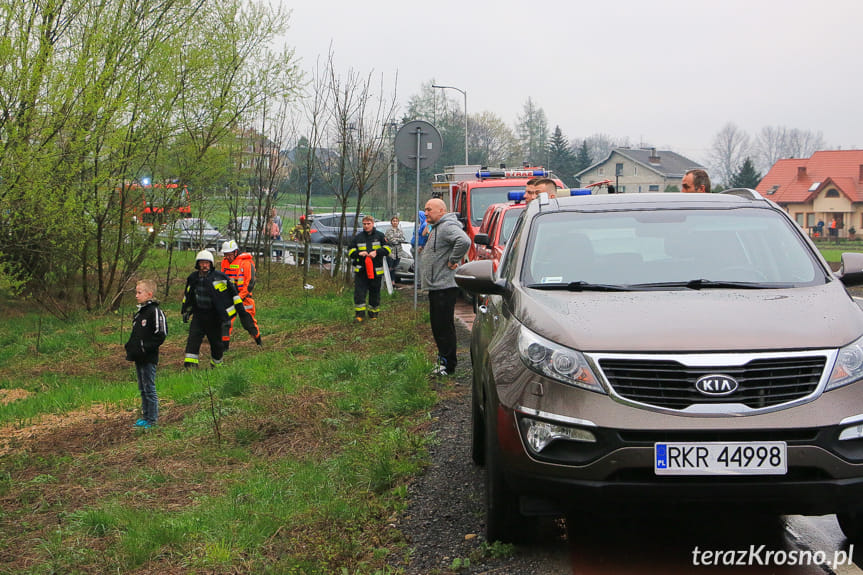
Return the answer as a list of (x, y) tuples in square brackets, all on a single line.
[(445, 519)]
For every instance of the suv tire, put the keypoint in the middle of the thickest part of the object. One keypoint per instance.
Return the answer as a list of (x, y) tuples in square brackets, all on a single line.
[(502, 516), (851, 525), (477, 435)]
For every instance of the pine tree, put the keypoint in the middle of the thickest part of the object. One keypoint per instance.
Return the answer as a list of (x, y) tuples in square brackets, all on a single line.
[(561, 160), (583, 160), (746, 176)]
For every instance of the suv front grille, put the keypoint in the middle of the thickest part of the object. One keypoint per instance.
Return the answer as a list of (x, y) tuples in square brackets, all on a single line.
[(669, 384)]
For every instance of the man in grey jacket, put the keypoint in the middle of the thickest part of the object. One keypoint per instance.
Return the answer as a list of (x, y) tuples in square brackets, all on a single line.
[(445, 247)]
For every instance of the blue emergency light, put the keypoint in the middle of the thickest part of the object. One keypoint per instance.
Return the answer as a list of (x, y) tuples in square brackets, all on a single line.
[(528, 173), (579, 192), (515, 196)]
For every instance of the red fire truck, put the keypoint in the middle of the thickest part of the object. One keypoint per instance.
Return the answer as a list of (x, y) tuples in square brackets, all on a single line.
[(470, 190), (158, 202)]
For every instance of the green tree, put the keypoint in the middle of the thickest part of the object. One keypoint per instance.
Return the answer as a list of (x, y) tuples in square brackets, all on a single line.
[(100, 95), (491, 141), (532, 130), (745, 176), (583, 160), (561, 158)]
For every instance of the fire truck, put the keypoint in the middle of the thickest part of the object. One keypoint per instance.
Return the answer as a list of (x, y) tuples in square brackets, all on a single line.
[(159, 202), (470, 190)]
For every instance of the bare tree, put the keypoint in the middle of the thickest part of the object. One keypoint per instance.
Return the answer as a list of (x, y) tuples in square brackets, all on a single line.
[(599, 146), (371, 144), (357, 120), (778, 142), (315, 104), (729, 150)]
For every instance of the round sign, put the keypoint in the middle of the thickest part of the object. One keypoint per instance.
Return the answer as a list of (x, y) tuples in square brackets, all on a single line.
[(422, 136)]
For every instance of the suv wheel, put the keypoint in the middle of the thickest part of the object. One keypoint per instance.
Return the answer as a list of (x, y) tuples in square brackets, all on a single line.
[(502, 515), (851, 525)]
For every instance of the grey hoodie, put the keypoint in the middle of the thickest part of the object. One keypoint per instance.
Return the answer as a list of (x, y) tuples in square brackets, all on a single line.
[(447, 243)]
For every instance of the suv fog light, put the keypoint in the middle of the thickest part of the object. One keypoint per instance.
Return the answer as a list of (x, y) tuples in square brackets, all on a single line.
[(541, 433), (853, 432)]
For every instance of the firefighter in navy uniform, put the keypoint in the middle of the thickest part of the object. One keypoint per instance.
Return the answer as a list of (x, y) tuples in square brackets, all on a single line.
[(367, 251), (211, 299)]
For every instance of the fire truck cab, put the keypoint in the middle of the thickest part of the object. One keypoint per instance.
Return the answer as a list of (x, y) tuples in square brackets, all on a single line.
[(471, 194)]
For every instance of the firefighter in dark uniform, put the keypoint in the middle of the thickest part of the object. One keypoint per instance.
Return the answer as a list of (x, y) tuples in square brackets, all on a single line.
[(211, 299), (367, 251)]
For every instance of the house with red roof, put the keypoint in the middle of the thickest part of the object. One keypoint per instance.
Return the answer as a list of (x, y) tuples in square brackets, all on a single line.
[(826, 187)]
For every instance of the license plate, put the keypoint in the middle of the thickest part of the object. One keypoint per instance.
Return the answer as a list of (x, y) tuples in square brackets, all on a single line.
[(721, 458)]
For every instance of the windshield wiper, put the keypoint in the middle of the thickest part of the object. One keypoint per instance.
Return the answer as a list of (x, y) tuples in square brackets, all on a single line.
[(580, 286), (702, 283)]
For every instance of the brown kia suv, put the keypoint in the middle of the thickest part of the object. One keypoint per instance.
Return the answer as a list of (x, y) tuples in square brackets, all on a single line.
[(663, 350)]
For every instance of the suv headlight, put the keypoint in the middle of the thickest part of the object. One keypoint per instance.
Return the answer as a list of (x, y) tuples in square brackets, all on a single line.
[(556, 361), (848, 367)]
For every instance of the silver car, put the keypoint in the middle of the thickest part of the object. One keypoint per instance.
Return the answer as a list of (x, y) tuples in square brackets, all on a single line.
[(662, 350), (192, 234)]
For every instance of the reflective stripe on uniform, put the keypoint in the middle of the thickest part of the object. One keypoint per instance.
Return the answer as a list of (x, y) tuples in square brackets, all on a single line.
[(191, 358)]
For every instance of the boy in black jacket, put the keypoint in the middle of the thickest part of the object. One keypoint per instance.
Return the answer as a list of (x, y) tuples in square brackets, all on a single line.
[(149, 330)]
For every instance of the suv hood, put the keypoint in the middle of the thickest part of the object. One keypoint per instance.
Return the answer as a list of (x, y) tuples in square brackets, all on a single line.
[(712, 320)]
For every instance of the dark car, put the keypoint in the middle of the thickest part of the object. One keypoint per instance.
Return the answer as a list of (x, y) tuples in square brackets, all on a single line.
[(325, 228), (662, 350)]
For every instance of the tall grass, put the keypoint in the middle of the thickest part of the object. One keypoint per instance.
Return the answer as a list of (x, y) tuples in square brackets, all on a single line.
[(319, 432)]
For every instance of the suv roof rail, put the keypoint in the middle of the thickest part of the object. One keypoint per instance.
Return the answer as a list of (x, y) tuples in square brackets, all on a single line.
[(748, 193)]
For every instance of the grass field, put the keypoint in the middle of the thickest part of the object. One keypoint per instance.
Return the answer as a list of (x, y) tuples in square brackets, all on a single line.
[(292, 459)]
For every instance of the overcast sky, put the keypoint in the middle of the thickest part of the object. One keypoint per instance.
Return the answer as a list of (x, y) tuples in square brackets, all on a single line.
[(667, 73)]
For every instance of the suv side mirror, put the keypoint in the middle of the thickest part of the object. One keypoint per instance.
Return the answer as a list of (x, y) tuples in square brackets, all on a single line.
[(478, 277), (851, 270), (481, 239)]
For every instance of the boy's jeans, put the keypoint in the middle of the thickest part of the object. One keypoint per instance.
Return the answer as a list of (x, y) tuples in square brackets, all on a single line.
[(147, 385)]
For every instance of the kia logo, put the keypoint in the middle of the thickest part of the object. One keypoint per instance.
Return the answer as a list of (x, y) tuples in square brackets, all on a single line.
[(715, 384)]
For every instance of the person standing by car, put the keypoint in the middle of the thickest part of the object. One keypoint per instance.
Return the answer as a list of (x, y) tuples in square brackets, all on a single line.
[(447, 244), (530, 191), (367, 250), (149, 330), (695, 182), (240, 268), (210, 299), (300, 233), (274, 226), (395, 238)]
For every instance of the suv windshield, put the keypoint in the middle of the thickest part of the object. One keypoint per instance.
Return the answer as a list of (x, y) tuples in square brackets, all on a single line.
[(686, 249)]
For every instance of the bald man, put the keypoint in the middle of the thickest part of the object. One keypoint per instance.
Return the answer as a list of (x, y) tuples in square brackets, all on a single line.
[(445, 247)]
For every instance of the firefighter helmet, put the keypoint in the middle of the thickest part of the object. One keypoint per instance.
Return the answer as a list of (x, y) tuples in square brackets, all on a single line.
[(204, 255), (229, 246)]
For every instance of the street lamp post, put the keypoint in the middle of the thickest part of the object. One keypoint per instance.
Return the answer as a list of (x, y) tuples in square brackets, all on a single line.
[(464, 93)]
